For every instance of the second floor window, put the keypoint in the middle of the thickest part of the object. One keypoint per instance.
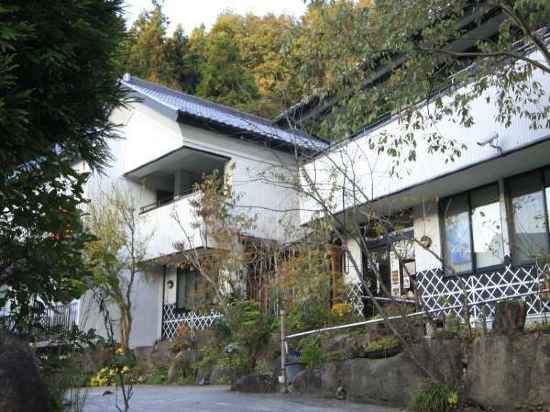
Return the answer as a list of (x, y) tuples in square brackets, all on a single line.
[(472, 229)]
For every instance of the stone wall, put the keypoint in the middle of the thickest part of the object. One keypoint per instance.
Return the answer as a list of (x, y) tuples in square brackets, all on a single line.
[(506, 373), (393, 380), (510, 373)]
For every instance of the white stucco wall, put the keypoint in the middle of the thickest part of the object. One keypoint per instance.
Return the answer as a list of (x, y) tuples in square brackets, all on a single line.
[(146, 312), (371, 169), (426, 223), (148, 134), (255, 168), (173, 224)]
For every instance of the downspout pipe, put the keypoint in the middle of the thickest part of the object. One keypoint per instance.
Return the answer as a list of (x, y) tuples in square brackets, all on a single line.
[(163, 299)]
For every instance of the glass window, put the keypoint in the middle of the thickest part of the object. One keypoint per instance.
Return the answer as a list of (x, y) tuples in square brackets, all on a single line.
[(457, 248), (487, 226), (186, 288), (530, 236)]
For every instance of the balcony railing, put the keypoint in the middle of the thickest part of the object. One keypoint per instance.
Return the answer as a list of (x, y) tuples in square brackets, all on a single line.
[(165, 201), (52, 320), (172, 226)]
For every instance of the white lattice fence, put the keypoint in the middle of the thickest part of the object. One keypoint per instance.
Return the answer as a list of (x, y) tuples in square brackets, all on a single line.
[(439, 292), (354, 296), (172, 319)]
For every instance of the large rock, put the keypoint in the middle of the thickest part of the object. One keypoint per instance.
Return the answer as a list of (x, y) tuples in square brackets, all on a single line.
[(21, 389), (342, 346), (307, 381), (503, 372), (255, 384), (510, 373), (153, 357), (181, 365), (220, 376), (92, 360), (393, 380), (390, 380)]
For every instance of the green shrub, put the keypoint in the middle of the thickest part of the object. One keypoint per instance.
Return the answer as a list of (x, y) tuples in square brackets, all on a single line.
[(158, 377), (246, 332), (383, 343), (310, 352), (310, 314), (222, 329), (434, 397)]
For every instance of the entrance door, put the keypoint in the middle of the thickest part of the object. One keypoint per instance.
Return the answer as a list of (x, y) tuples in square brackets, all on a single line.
[(380, 260)]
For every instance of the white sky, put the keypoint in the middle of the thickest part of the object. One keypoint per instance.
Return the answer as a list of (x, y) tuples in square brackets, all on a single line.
[(192, 13)]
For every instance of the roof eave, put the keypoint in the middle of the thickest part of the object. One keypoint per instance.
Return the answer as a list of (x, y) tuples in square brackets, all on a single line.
[(239, 133)]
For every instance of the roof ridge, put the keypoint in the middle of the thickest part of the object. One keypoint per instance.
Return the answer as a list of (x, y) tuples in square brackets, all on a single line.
[(208, 102), (183, 103)]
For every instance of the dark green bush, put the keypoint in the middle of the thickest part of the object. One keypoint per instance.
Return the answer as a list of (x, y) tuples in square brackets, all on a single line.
[(250, 333)]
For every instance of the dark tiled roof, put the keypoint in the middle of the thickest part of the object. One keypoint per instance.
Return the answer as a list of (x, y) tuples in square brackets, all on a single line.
[(201, 109)]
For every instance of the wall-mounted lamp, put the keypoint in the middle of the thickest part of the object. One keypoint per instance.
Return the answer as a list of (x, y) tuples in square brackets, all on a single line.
[(170, 284), (493, 141), (426, 241)]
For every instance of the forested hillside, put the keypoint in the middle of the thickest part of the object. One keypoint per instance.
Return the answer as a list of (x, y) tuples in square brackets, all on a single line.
[(349, 62), (257, 64)]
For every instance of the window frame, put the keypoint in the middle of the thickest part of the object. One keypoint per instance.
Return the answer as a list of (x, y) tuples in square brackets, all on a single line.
[(510, 210), (442, 229)]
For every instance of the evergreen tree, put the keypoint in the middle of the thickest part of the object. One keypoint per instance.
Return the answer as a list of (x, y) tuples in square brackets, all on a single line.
[(59, 81), (223, 76), (179, 70), (145, 47)]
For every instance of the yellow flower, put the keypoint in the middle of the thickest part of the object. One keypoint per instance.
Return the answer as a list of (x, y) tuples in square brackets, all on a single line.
[(453, 398), (119, 351), (341, 309), (125, 369)]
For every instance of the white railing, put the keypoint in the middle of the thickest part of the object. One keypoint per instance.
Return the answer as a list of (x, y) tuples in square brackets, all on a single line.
[(58, 318)]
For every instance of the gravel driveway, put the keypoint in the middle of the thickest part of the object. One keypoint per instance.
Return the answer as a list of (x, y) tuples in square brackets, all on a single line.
[(217, 399)]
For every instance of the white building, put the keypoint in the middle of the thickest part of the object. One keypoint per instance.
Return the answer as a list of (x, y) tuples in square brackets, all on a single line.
[(485, 214), (170, 140)]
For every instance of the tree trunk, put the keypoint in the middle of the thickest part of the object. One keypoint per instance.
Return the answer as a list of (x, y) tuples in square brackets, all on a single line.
[(125, 329)]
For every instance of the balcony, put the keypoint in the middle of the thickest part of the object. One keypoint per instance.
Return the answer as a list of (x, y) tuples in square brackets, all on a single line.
[(174, 226), (169, 185)]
